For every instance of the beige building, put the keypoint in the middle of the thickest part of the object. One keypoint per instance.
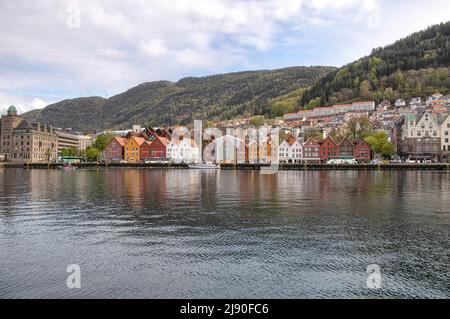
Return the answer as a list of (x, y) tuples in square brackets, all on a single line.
[(445, 139), (67, 139), (23, 141), (7, 125), (83, 142)]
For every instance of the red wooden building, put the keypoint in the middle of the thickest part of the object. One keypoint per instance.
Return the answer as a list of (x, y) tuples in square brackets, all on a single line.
[(311, 151), (345, 148), (145, 150), (362, 151), (114, 150), (329, 149), (157, 148)]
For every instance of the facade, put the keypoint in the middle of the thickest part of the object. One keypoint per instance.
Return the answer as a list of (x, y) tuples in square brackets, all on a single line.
[(7, 125), (23, 141), (132, 152), (290, 151), (445, 138), (345, 148), (329, 149), (362, 151), (83, 142), (311, 151), (34, 142), (145, 150), (67, 139), (419, 136), (114, 150), (337, 109), (158, 148), (183, 151)]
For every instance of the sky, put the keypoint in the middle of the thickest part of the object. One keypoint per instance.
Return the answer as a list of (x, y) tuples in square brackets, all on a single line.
[(51, 50)]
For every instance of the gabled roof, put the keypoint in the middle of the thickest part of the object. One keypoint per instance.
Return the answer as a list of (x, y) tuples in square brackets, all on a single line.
[(163, 140), (359, 141), (122, 141), (345, 139), (138, 140)]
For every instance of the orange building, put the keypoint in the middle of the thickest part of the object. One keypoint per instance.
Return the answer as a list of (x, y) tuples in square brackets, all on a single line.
[(132, 152)]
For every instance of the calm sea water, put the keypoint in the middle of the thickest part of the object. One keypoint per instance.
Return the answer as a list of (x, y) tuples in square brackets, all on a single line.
[(143, 233)]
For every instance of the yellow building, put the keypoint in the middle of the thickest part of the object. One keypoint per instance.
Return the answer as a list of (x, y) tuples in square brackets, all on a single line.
[(133, 149)]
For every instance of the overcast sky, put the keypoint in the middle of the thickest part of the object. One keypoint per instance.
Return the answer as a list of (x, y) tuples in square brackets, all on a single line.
[(51, 50)]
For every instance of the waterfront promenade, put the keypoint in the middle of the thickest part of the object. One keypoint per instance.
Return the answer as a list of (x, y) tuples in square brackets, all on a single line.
[(297, 167)]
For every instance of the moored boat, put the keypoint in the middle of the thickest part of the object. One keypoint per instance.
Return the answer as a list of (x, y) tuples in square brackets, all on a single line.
[(204, 166)]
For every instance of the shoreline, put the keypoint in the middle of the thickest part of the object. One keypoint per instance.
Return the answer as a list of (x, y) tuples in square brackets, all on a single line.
[(282, 167)]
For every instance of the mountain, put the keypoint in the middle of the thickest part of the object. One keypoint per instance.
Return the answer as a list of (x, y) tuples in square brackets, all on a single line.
[(417, 65), (168, 103)]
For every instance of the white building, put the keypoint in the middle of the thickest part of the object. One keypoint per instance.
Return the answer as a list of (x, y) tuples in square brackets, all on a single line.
[(183, 151), (290, 151), (400, 103)]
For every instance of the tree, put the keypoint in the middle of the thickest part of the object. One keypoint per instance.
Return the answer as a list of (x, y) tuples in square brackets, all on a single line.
[(380, 144), (258, 120), (68, 152), (314, 103), (101, 141), (92, 153), (364, 89), (313, 133), (358, 128)]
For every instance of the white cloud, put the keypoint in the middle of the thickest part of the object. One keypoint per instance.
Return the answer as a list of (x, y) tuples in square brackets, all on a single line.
[(23, 104), (154, 48), (123, 43)]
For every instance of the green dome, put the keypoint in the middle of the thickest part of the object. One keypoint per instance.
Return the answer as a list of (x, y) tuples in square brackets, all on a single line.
[(12, 110)]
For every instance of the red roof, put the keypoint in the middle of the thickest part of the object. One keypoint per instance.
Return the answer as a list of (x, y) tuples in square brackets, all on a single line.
[(122, 141), (138, 140), (163, 140)]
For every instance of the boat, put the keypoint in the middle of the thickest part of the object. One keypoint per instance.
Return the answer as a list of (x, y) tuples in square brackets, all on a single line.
[(204, 166)]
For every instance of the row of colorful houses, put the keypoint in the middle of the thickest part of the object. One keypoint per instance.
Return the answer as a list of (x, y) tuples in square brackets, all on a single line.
[(136, 148), (319, 151)]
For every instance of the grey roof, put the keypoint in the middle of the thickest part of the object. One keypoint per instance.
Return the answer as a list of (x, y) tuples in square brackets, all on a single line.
[(442, 117), (24, 125)]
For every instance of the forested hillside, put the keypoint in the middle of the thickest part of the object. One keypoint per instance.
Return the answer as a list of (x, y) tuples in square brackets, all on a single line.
[(217, 97), (417, 65)]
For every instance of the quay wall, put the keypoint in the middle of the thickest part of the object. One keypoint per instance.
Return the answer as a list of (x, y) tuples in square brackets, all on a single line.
[(283, 167)]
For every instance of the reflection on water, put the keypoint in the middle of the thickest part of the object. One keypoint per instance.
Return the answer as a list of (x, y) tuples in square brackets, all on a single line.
[(223, 234)]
